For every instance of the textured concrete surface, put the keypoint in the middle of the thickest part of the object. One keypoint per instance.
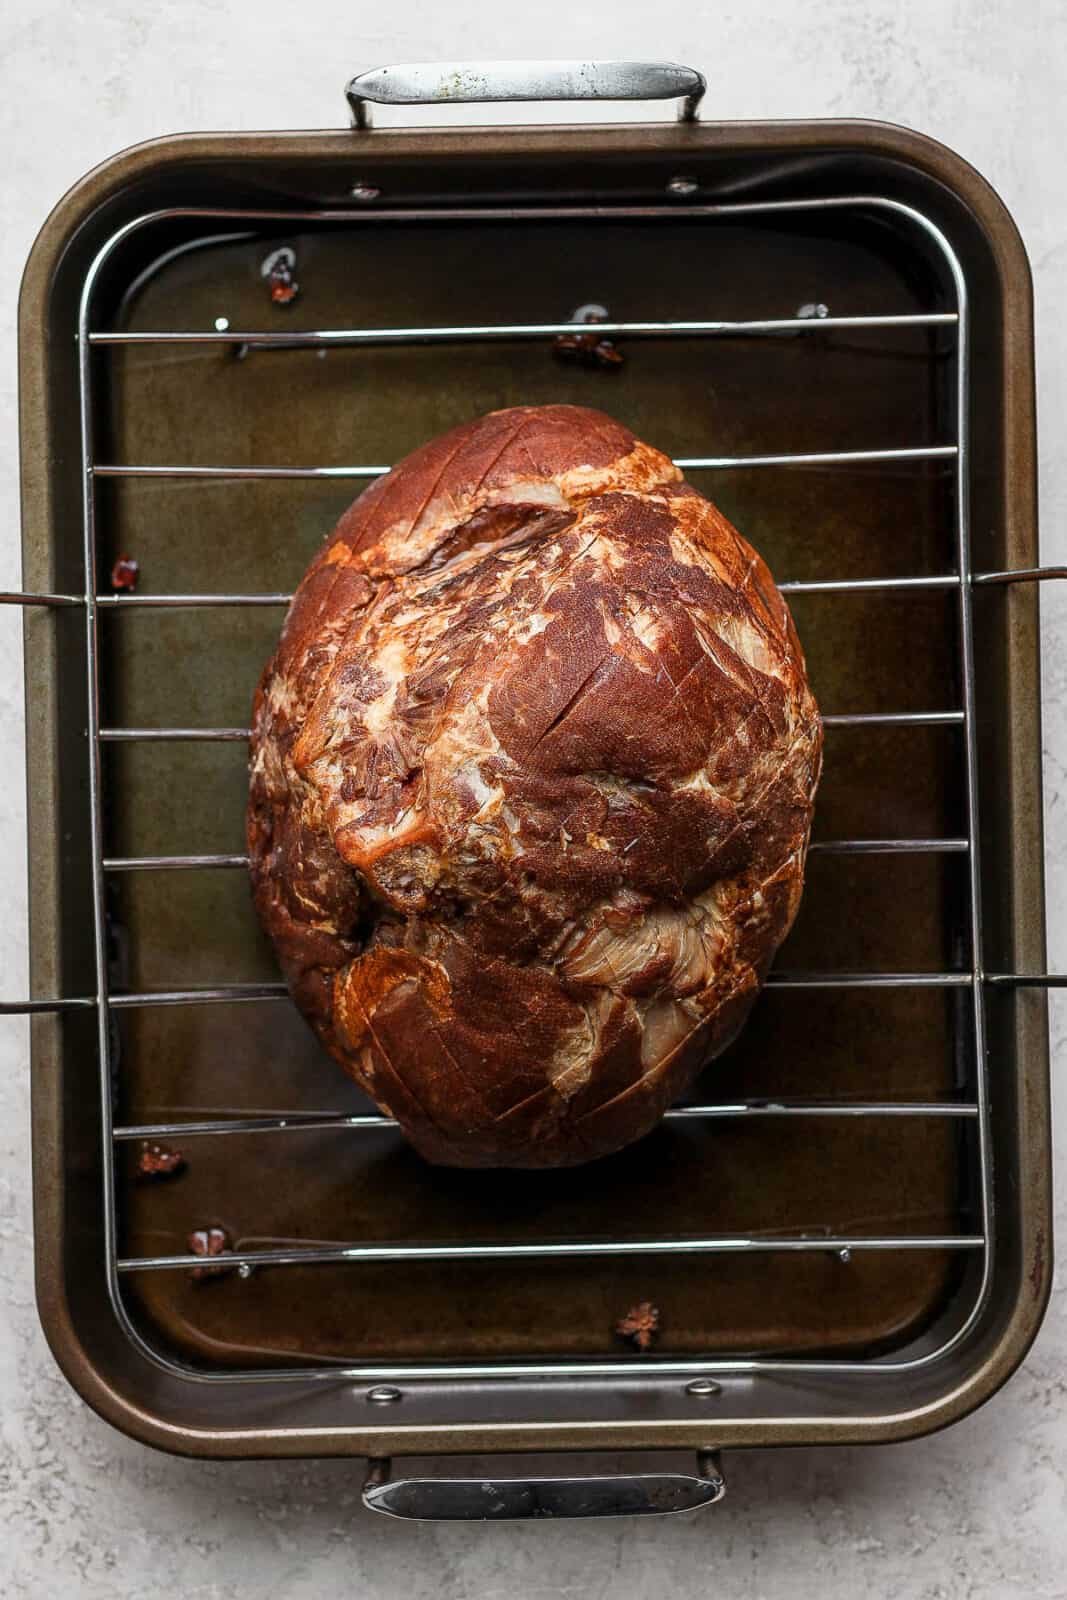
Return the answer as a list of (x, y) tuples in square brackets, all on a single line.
[(980, 1511)]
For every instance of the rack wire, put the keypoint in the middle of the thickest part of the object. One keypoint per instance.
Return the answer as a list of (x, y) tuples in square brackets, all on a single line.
[(971, 1114)]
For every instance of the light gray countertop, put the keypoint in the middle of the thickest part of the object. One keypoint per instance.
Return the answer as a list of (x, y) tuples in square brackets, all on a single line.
[(978, 1511)]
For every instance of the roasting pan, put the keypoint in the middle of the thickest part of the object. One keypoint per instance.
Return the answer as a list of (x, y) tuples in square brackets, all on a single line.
[(846, 1232)]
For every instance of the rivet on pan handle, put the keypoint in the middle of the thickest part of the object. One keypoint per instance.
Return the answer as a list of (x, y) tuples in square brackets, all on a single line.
[(420, 83), (503, 1499)]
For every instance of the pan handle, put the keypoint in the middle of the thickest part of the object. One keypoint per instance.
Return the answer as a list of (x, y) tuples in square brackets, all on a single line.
[(420, 83), (499, 1499)]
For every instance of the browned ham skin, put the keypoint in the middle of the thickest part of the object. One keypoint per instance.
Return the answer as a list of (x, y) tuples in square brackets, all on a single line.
[(532, 774)]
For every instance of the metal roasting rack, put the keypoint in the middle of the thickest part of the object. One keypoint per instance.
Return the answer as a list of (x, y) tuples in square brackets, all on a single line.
[(972, 1115)]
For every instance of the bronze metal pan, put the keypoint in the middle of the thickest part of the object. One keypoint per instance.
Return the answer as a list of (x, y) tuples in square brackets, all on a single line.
[(517, 1351)]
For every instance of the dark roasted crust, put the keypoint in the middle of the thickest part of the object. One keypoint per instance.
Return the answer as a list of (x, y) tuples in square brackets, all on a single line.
[(532, 780)]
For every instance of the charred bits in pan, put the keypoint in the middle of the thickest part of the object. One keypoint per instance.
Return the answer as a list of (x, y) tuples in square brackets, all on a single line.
[(640, 1325), (209, 1243), (159, 1160), (124, 574), (585, 346), (279, 269)]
